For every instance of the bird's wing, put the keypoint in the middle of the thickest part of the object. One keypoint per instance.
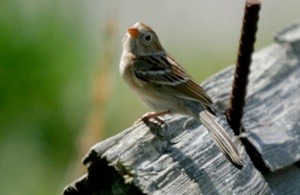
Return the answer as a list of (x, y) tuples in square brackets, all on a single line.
[(164, 73)]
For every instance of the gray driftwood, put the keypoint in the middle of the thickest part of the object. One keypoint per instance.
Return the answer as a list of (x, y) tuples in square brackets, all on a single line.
[(183, 159)]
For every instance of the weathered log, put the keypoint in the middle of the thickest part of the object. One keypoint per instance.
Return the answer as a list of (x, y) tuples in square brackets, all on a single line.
[(182, 158)]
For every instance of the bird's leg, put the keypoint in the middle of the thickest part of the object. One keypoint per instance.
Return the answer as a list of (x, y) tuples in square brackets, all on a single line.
[(153, 115)]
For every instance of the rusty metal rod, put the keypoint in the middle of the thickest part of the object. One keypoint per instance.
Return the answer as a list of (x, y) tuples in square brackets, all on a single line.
[(246, 48)]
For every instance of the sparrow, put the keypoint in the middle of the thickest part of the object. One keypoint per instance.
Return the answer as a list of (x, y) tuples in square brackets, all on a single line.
[(166, 87)]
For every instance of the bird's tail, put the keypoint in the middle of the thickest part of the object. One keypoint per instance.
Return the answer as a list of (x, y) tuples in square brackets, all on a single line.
[(222, 139)]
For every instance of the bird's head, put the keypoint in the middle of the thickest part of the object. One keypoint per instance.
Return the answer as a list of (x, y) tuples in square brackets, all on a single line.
[(140, 39)]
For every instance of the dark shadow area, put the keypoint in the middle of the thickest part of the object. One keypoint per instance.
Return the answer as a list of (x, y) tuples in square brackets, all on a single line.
[(255, 156), (101, 180)]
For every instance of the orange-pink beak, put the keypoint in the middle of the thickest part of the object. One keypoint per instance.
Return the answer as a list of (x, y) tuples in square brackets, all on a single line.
[(133, 31)]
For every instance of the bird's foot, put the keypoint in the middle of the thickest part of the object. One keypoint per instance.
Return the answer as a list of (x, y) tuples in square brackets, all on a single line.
[(146, 118)]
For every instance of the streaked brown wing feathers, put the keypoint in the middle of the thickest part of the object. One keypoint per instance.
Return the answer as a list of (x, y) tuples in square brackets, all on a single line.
[(157, 70)]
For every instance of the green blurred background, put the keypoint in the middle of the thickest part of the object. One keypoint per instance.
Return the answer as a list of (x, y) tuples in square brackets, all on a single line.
[(60, 90)]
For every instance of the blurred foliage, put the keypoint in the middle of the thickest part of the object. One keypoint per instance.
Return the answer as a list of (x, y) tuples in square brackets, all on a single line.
[(44, 92)]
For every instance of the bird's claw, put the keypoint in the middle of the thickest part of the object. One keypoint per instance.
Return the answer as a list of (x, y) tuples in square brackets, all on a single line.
[(146, 118)]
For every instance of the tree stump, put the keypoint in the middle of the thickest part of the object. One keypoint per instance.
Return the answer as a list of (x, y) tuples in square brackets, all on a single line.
[(182, 158)]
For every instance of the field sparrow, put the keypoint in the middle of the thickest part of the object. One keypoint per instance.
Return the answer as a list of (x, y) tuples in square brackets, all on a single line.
[(164, 85)]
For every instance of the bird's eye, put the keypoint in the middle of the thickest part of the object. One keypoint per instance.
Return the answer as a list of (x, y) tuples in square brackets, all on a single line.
[(147, 38)]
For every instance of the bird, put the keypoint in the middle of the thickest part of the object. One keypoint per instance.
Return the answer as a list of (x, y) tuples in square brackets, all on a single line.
[(165, 86)]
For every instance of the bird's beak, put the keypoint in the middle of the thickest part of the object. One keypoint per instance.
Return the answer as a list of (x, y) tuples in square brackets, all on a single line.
[(133, 31)]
